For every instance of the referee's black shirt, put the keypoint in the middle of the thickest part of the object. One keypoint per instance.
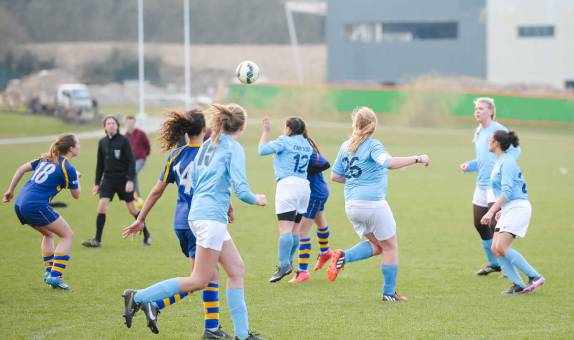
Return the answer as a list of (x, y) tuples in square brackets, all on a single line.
[(115, 159)]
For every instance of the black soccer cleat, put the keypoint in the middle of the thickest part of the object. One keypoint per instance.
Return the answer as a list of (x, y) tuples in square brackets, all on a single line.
[(515, 289), (281, 273), (130, 306), (151, 312), (92, 243), (217, 334), (488, 270), (396, 297), (252, 336)]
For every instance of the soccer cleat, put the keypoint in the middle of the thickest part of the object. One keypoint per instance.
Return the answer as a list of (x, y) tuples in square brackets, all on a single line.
[(300, 277), (151, 312), (57, 283), (46, 276), (487, 270), (217, 334), (251, 336), (147, 241), (92, 243), (396, 297), (130, 306), (533, 283), (515, 289), (322, 259), (281, 273), (337, 264)]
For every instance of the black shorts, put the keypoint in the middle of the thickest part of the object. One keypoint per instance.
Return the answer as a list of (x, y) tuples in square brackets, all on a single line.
[(110, 186)]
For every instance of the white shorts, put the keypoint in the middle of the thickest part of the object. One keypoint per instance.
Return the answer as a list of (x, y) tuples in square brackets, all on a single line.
[(210, 234), (515, 218), (482, 197), (292, 194), (372, 217)]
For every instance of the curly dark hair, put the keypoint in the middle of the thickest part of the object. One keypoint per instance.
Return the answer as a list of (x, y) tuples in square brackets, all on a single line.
[(177, 124)]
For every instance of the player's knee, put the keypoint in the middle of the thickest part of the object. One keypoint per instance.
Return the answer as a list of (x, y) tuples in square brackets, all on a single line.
[(236, 271), (498, 250)]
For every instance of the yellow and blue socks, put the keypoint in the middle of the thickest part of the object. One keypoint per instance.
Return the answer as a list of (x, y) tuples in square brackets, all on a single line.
[(59, 264), (285, 244), (158, 291), (360, 251), (323, 238), (390, 275), (238, 311), (304, 254), (487, 246), (168, 301), (211, 306), (48, 262), (294, 247), (510, 271), (520, 262)]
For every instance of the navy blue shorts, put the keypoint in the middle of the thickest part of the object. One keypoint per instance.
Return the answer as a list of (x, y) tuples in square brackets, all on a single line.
[(315, 206), (36, 215), (186, 241)]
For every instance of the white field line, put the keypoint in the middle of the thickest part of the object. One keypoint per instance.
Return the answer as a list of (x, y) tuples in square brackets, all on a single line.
[(154, 123)]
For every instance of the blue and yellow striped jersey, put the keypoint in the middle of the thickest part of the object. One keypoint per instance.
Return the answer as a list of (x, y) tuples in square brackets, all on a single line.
[(178, 169), (48, 179)]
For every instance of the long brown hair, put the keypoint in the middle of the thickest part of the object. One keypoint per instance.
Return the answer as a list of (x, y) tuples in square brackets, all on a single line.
[(298, 127), (364, 125), (225, 118), (60, 147), (177, 125)]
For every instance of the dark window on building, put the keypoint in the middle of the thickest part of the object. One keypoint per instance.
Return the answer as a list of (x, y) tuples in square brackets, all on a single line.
[(569, 84), (535, 31), (400, 31)]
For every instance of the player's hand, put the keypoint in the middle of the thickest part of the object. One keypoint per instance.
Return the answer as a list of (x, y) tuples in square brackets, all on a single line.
[(96, 189), (486, 219), (498, 214), (8, 196), (463, 167), (261, 200), (230, 215), (134, 228), (266, 124), (424, 159), (129, 186)]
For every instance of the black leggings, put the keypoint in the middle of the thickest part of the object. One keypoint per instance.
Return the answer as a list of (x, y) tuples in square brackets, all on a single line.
[(484, 230)]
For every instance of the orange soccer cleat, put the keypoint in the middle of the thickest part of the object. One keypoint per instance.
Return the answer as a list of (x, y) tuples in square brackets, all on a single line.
[(322, 259), (337, 264), (300, 277)]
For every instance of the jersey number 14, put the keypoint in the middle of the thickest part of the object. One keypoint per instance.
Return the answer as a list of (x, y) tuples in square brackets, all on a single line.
[(184, 177)]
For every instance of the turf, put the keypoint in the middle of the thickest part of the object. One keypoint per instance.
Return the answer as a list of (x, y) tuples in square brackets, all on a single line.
[(439, 253)]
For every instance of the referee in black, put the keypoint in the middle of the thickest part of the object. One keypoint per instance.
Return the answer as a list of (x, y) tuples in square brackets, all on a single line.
[(115, 172)]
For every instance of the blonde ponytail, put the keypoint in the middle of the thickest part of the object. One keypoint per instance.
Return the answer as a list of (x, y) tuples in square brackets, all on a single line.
[(225, 119), (364, 125)]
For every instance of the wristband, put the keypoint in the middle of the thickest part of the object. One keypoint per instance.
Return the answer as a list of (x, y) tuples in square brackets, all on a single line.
[(417, 159)]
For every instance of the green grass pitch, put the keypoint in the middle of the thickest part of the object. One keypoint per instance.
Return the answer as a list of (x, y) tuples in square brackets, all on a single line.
[(439, 253)]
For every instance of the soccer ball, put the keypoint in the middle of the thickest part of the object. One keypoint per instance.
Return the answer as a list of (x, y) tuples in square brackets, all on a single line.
[(247, 72)]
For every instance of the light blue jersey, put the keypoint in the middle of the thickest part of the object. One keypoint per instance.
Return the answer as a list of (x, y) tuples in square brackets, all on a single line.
[(485, 159), (292, 155), (215, 169), (507, 179), (365, 171)]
